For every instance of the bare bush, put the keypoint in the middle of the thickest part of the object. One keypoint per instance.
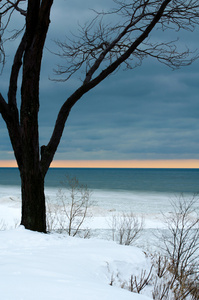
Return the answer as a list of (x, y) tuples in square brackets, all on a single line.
[(181, 246), (4, 226), (161, 290), (70, 210), (135, 284), (126, 228), (138, 283), (160, 264), (52, 215)]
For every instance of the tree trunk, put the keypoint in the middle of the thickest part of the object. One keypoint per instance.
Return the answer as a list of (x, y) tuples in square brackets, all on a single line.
[(33, 200), (23, 126)]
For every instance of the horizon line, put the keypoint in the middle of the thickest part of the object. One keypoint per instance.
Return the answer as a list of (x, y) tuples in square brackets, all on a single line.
[(153, 164)]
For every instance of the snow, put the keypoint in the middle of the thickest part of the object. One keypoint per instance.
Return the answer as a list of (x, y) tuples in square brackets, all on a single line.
[(36, 266)]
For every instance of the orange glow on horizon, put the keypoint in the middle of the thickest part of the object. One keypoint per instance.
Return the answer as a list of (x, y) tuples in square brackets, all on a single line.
[(126, 164), (189, 163), (8, 164)]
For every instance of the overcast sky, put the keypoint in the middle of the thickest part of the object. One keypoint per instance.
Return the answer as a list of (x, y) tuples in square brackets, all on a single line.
[(150, 112)]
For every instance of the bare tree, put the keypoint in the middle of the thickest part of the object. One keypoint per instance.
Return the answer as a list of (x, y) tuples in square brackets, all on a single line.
[(97, 52), (70, 210), (75, 206)]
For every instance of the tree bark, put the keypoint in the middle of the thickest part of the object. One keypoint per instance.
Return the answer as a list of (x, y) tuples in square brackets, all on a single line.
[(33, 200)]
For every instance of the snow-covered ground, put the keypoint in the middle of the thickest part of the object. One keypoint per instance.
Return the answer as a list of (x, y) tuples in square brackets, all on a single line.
[(35, 266), (45, 267)]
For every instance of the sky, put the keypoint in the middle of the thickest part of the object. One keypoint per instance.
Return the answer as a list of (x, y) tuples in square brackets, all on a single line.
[(149, 113)]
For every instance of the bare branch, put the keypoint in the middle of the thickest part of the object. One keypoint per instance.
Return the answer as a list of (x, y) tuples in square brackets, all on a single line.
[(11, 119), (7, 9), (8, 5), (3, 107), (167, 53), (100, 44), (15, 71), (16, 6)]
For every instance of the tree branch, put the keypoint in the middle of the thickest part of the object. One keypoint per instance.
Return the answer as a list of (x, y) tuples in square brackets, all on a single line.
[(15, 5), (47, 152), (15, 72), (6, 7), (43, 23), (3, 107), (98, 46), (36, 30), (112, 67), (11, 119), (7, 10), (109, 47)]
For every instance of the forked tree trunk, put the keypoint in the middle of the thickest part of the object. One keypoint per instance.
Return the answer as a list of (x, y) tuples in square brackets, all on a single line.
[(23, 126), (33, 200)]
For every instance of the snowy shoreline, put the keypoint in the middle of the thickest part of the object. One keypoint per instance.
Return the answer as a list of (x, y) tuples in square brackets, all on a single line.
[(10, 214)]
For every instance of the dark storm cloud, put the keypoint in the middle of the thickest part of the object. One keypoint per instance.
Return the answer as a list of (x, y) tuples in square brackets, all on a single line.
[(150, 112), (137, 118)]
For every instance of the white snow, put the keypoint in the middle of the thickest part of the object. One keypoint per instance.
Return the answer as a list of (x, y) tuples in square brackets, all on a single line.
[(36, 266)]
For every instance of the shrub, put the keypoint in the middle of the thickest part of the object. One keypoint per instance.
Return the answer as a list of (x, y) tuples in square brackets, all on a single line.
[(70, 210), (126, 228), (181, 246)]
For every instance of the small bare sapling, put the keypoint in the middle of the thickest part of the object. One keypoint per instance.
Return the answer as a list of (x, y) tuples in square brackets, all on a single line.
[(126, 228), (71, 208)]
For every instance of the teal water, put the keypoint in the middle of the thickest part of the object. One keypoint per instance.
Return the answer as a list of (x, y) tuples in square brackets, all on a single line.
[(143, 180)]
